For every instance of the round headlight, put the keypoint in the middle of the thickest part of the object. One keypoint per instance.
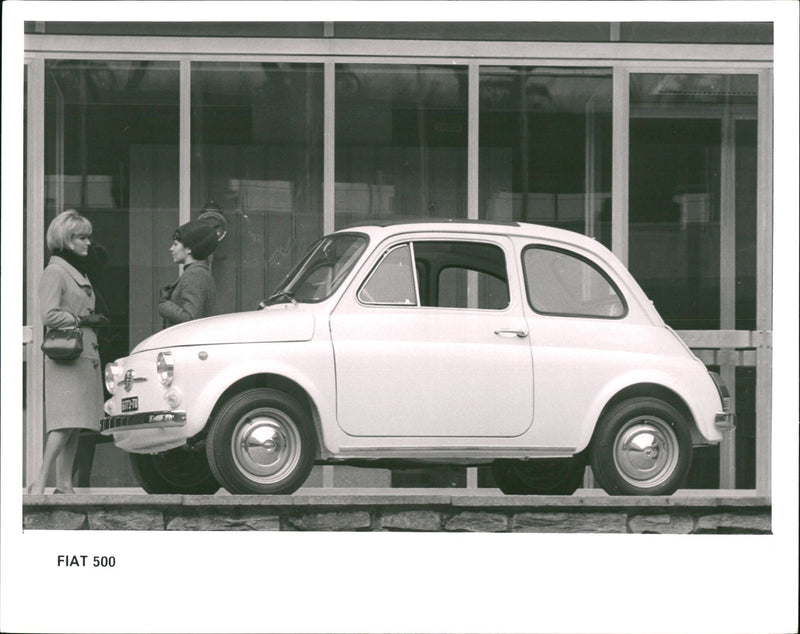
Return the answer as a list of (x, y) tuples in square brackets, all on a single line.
[(165, 366), (110, 377)]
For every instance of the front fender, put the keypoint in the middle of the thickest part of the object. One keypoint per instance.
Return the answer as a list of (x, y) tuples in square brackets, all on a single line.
[(315, 377)]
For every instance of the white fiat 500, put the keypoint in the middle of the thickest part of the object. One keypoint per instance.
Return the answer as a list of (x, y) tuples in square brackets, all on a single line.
[(525, 347)]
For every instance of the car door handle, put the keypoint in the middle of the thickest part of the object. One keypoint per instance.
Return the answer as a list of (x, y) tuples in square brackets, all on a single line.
[(504, 332)]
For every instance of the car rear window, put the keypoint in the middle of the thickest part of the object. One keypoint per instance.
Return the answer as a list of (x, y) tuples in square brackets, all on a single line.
[(559, 282)]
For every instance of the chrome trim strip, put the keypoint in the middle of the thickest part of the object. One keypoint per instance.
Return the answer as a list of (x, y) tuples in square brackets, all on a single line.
[(387, 452)]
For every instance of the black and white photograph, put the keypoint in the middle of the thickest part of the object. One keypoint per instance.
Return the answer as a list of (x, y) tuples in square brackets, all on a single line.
[(400, 317)]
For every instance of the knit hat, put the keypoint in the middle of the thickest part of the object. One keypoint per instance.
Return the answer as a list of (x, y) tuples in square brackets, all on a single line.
[(198, 236)]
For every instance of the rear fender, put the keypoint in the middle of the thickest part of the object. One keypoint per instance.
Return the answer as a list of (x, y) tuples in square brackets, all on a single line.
[(659, 385)]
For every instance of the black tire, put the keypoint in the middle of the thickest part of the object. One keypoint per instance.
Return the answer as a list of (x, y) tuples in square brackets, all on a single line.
[(543, 476), (261, 441), (642, 446), (183, 470)]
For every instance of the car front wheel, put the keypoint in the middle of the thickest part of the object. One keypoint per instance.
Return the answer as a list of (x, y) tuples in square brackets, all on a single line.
[(543, 476), (642, 446), (183, 470), (261, 441)]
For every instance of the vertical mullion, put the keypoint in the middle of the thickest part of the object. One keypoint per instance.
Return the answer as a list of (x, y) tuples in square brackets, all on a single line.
[(619, 163), (473, 129), (329, 186), (727, 226), (185, 144), (34, 386), (589, 162), (764, 288), (727, 204), (329, 153), (473, 211)]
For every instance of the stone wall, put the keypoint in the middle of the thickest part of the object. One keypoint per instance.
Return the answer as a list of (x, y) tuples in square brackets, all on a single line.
[(462, 512)]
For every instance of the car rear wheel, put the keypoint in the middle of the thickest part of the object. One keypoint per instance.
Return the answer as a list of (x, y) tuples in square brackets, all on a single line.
[(545, 476), (261, 441), (183, 470), (642, 446)]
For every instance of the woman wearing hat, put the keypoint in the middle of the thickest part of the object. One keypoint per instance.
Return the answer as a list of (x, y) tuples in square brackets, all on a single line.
[(193, 294)]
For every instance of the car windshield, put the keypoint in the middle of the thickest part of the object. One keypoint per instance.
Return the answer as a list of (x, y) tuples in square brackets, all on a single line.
[(321, 271)]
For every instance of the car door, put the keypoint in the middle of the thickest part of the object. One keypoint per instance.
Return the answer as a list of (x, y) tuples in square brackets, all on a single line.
[(583, 334), (432, 341)]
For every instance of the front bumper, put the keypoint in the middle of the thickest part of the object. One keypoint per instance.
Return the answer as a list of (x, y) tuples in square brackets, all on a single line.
[(725, 421), (142, 420)]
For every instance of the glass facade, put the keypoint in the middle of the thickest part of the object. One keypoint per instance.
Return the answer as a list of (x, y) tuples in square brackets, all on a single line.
[(679, 150), (253, 151), (111, 152), (545, 147), (401, 142), (256, 158)]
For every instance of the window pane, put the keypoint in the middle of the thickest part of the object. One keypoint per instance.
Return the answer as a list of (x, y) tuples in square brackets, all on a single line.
[(257, 132), (545, 147), (561, 284), (322, 271), (461, 275), (111, 152), (393, 281), (454, 284), (401, 142), (676, 157)]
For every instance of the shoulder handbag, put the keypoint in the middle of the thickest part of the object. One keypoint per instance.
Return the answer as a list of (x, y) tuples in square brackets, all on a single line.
[(63, 344)]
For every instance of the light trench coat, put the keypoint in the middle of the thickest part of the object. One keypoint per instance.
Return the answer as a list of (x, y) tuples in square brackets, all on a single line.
[(73, 390)]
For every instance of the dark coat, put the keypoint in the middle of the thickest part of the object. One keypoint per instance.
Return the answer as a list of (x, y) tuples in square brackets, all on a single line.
[(191, 296)]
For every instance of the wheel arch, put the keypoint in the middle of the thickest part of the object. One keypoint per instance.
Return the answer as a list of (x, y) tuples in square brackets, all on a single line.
[(653, 390), (275, 382)]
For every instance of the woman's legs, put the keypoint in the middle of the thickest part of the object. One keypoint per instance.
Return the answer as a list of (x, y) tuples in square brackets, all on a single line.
[(65, 460), (56, 441)]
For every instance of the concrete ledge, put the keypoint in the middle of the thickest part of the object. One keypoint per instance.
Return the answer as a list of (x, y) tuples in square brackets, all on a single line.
[(440, 510)]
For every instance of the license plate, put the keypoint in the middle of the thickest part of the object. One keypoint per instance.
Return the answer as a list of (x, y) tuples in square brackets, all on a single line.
[(130, 404)]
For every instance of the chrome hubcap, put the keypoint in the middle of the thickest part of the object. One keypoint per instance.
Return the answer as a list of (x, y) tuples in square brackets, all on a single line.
[(646, 451), (266, 445)]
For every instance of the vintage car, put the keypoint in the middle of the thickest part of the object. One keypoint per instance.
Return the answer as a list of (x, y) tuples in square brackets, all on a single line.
[(524, 347)]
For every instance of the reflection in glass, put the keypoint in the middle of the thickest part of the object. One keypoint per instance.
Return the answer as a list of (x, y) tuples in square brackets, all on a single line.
[(676, 160), (545, 147), (322, 270), (401, 142), (257, 131), (111, 152)]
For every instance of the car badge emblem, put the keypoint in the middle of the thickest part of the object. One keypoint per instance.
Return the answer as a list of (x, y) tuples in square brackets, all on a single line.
[(128, 382)]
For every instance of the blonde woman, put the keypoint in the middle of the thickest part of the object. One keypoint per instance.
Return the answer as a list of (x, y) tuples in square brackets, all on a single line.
[(73, 389)]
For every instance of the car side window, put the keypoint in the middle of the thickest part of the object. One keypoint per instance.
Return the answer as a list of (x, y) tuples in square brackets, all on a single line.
[(562, 283), (461, 274), (392, 281), (454, 289), (449, 274)]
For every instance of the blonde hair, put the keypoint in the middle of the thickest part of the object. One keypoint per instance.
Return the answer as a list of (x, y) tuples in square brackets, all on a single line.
[(64, 226)]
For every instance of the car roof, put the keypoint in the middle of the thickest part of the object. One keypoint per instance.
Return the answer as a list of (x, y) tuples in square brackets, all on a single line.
[(386, 227)]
